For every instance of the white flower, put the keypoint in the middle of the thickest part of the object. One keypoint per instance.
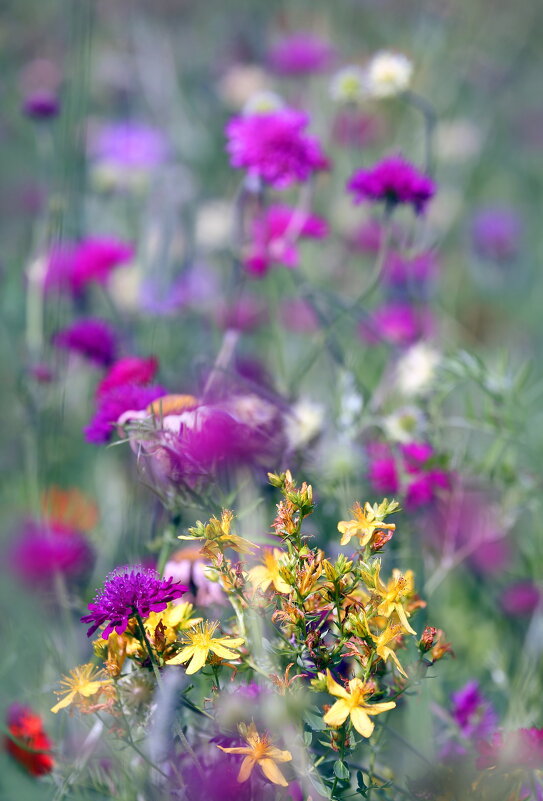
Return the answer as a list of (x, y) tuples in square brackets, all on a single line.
[(404, 425), (458, 140), (348, 85), (388, 74), (416, 370), (263, 103), (303, 423)]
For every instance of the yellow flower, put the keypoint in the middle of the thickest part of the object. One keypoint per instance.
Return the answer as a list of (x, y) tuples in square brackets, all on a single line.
[(262, 576), (365, 522), (218, 536), (200, 641), (259, 751), (383, 648), (82, 682), (352, 703), (176, 617), (400, 586)]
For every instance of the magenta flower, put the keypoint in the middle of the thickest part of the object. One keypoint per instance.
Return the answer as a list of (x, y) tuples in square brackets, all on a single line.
[(404, 271), (44, 549), (300, 54), (115, 402), (393, 181), (273, 147), (522, 748), (41, 105), (245, 314), (130, 591), (130, 370), (93, 339), (521, 598), (397, 324), (412, 473), (275, 234), (72, 267), (472, 713)]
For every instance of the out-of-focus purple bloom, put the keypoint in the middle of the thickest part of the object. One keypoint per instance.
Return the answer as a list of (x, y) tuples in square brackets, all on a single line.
[(245, 314), (42, 373), (522, 748), (521, 599), (115, 402), (410, 473), (41, 105), (275, 234), (219, 783), (94, 339), (187, 566), (72, 267), (130, 370), (353, 128), (274, 148), (393, 181), (129, 145), (496, 233), (196, 286), (298, 315), (43, 549), (128, 591), (397, 324), (369, 236), (383, 473), (404, 271), (301, 54), (472, 713)]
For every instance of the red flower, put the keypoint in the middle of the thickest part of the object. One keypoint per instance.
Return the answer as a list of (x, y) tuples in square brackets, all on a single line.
[(30, 746)]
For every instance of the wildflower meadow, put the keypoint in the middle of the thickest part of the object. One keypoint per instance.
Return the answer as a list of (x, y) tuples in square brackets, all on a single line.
[(272, 431)]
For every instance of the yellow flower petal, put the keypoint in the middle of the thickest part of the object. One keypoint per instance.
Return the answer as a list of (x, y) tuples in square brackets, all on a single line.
[(184, 655), (260, 577), (198, 660), (66, 701), (376, 709), (278, 755), (221, 651), (334, 688), (337, 714), (91, 688), (238, 749), (272, 772), (246, 769), (361, 722)]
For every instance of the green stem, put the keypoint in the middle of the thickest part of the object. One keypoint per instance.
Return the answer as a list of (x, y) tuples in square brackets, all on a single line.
[(152, 655)]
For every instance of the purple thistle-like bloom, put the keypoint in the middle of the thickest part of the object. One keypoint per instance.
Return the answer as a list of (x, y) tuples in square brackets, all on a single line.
[(472, 713), (113, 403), (44, 549), (129, 145), (273, 147), (92, 338), (496, 233), (393, 181), (73, 266), (300, 54), (130, 591), (41, 105)]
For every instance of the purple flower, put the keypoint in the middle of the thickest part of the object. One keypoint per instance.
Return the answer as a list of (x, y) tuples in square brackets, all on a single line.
[(300, 54), (275, 234), (128, 591), (496, 233), (273, 147), (129, 145), (44, 549), (41, 105), (113, 403), (400, 270), (397, 324), (73, 267), (472, 713), (352, 128), (392, 181), (521, 599), (91, 338)]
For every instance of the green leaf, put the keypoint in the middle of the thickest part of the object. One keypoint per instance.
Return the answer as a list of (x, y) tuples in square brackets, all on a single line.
[(341, 770)]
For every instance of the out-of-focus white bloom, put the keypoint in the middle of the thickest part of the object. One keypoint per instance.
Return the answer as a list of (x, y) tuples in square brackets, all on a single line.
[(263, 102), (303, 423), (458, 140), (125, 287), (445, 208), (404, 425), (388, 74), (349, 85), (416, 369), (351, 401), (240, 82), (214, 224)]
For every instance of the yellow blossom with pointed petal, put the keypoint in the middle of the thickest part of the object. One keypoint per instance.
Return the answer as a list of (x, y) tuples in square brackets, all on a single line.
[(176, 617), (82, 682), (259, 751), (399, 587), (352, 703), (262, 576), (200, 642), (365, 522), (218, 535), (382, 644)]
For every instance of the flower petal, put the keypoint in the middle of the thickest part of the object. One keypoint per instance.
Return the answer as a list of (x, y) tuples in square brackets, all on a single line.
[(66, 701), (361, 722), (272, 772), (198, 660), (376, 709), (337, 714), (183, 655), (334, 688), (246, 769)]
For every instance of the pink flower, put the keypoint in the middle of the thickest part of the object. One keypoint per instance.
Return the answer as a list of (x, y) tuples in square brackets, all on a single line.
[(352, 128), (522, 748), (72, 267), (521, 599), (273, 147), (400, 270), (93, 339), (396, 323), (113, 403), (392, 181), (44, 549), (411, 473), (246, 314), (496, 233), (300, 54), (275, 234), (383, 475), (130, 370)]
